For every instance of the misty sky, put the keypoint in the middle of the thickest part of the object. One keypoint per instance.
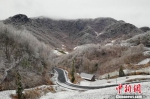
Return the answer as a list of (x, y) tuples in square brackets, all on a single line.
[(132, 11)]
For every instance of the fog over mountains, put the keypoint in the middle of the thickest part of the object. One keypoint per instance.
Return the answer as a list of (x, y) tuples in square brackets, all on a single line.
[(73, 32)]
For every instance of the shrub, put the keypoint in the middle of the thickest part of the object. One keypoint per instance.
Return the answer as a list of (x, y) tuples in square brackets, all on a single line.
[(121, 72), (36, 93), (32, 94)]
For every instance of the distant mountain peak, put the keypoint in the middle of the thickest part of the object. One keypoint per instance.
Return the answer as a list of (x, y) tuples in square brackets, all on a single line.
[(19, 18), (145, 29)]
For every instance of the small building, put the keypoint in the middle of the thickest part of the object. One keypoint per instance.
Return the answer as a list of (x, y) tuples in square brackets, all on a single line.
[(90, 77)]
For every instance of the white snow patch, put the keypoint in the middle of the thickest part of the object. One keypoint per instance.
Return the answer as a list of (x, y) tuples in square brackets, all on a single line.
[(85, 83), (146, 70), (57, 52), (110, 73), (147, 48), (125, 44), (98, 34), (67, 52), (60, 95), (146, 53), (6, 94), (63, 47), (75, 48), (111, 81), (78, 47), (111, 43), (108, 44), (145, 61)]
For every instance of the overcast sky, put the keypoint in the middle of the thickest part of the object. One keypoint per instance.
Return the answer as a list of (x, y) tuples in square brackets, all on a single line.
[(133, 11)]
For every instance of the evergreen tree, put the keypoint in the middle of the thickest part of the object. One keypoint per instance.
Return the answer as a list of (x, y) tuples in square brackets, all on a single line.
[(19, 85), (108, 76), (121, 72), (72, 72)]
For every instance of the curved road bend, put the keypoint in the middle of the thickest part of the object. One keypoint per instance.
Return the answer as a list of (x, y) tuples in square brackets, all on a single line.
[(62, 79)]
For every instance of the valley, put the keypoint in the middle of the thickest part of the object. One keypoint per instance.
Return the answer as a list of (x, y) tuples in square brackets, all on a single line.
[(105, 47)]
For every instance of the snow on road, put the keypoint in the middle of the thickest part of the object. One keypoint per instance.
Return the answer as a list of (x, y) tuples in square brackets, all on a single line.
[(105, 93)]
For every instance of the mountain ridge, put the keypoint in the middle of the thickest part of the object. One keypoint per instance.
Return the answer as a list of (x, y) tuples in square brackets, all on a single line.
[(72, 32)]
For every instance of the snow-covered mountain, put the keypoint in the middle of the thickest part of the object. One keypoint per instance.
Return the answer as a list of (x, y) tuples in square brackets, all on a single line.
[(98, 46), (72, 33)]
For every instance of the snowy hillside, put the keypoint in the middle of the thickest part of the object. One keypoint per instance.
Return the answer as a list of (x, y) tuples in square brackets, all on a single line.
[(107, 93)]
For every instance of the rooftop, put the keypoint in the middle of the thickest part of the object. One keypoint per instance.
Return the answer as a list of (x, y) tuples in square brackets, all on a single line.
[(86, 76)]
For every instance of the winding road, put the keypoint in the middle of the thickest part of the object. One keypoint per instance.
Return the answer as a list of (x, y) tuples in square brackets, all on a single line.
[(62, 79)]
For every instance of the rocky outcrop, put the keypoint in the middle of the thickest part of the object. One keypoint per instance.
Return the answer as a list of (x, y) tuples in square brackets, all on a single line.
[(17, 19)]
